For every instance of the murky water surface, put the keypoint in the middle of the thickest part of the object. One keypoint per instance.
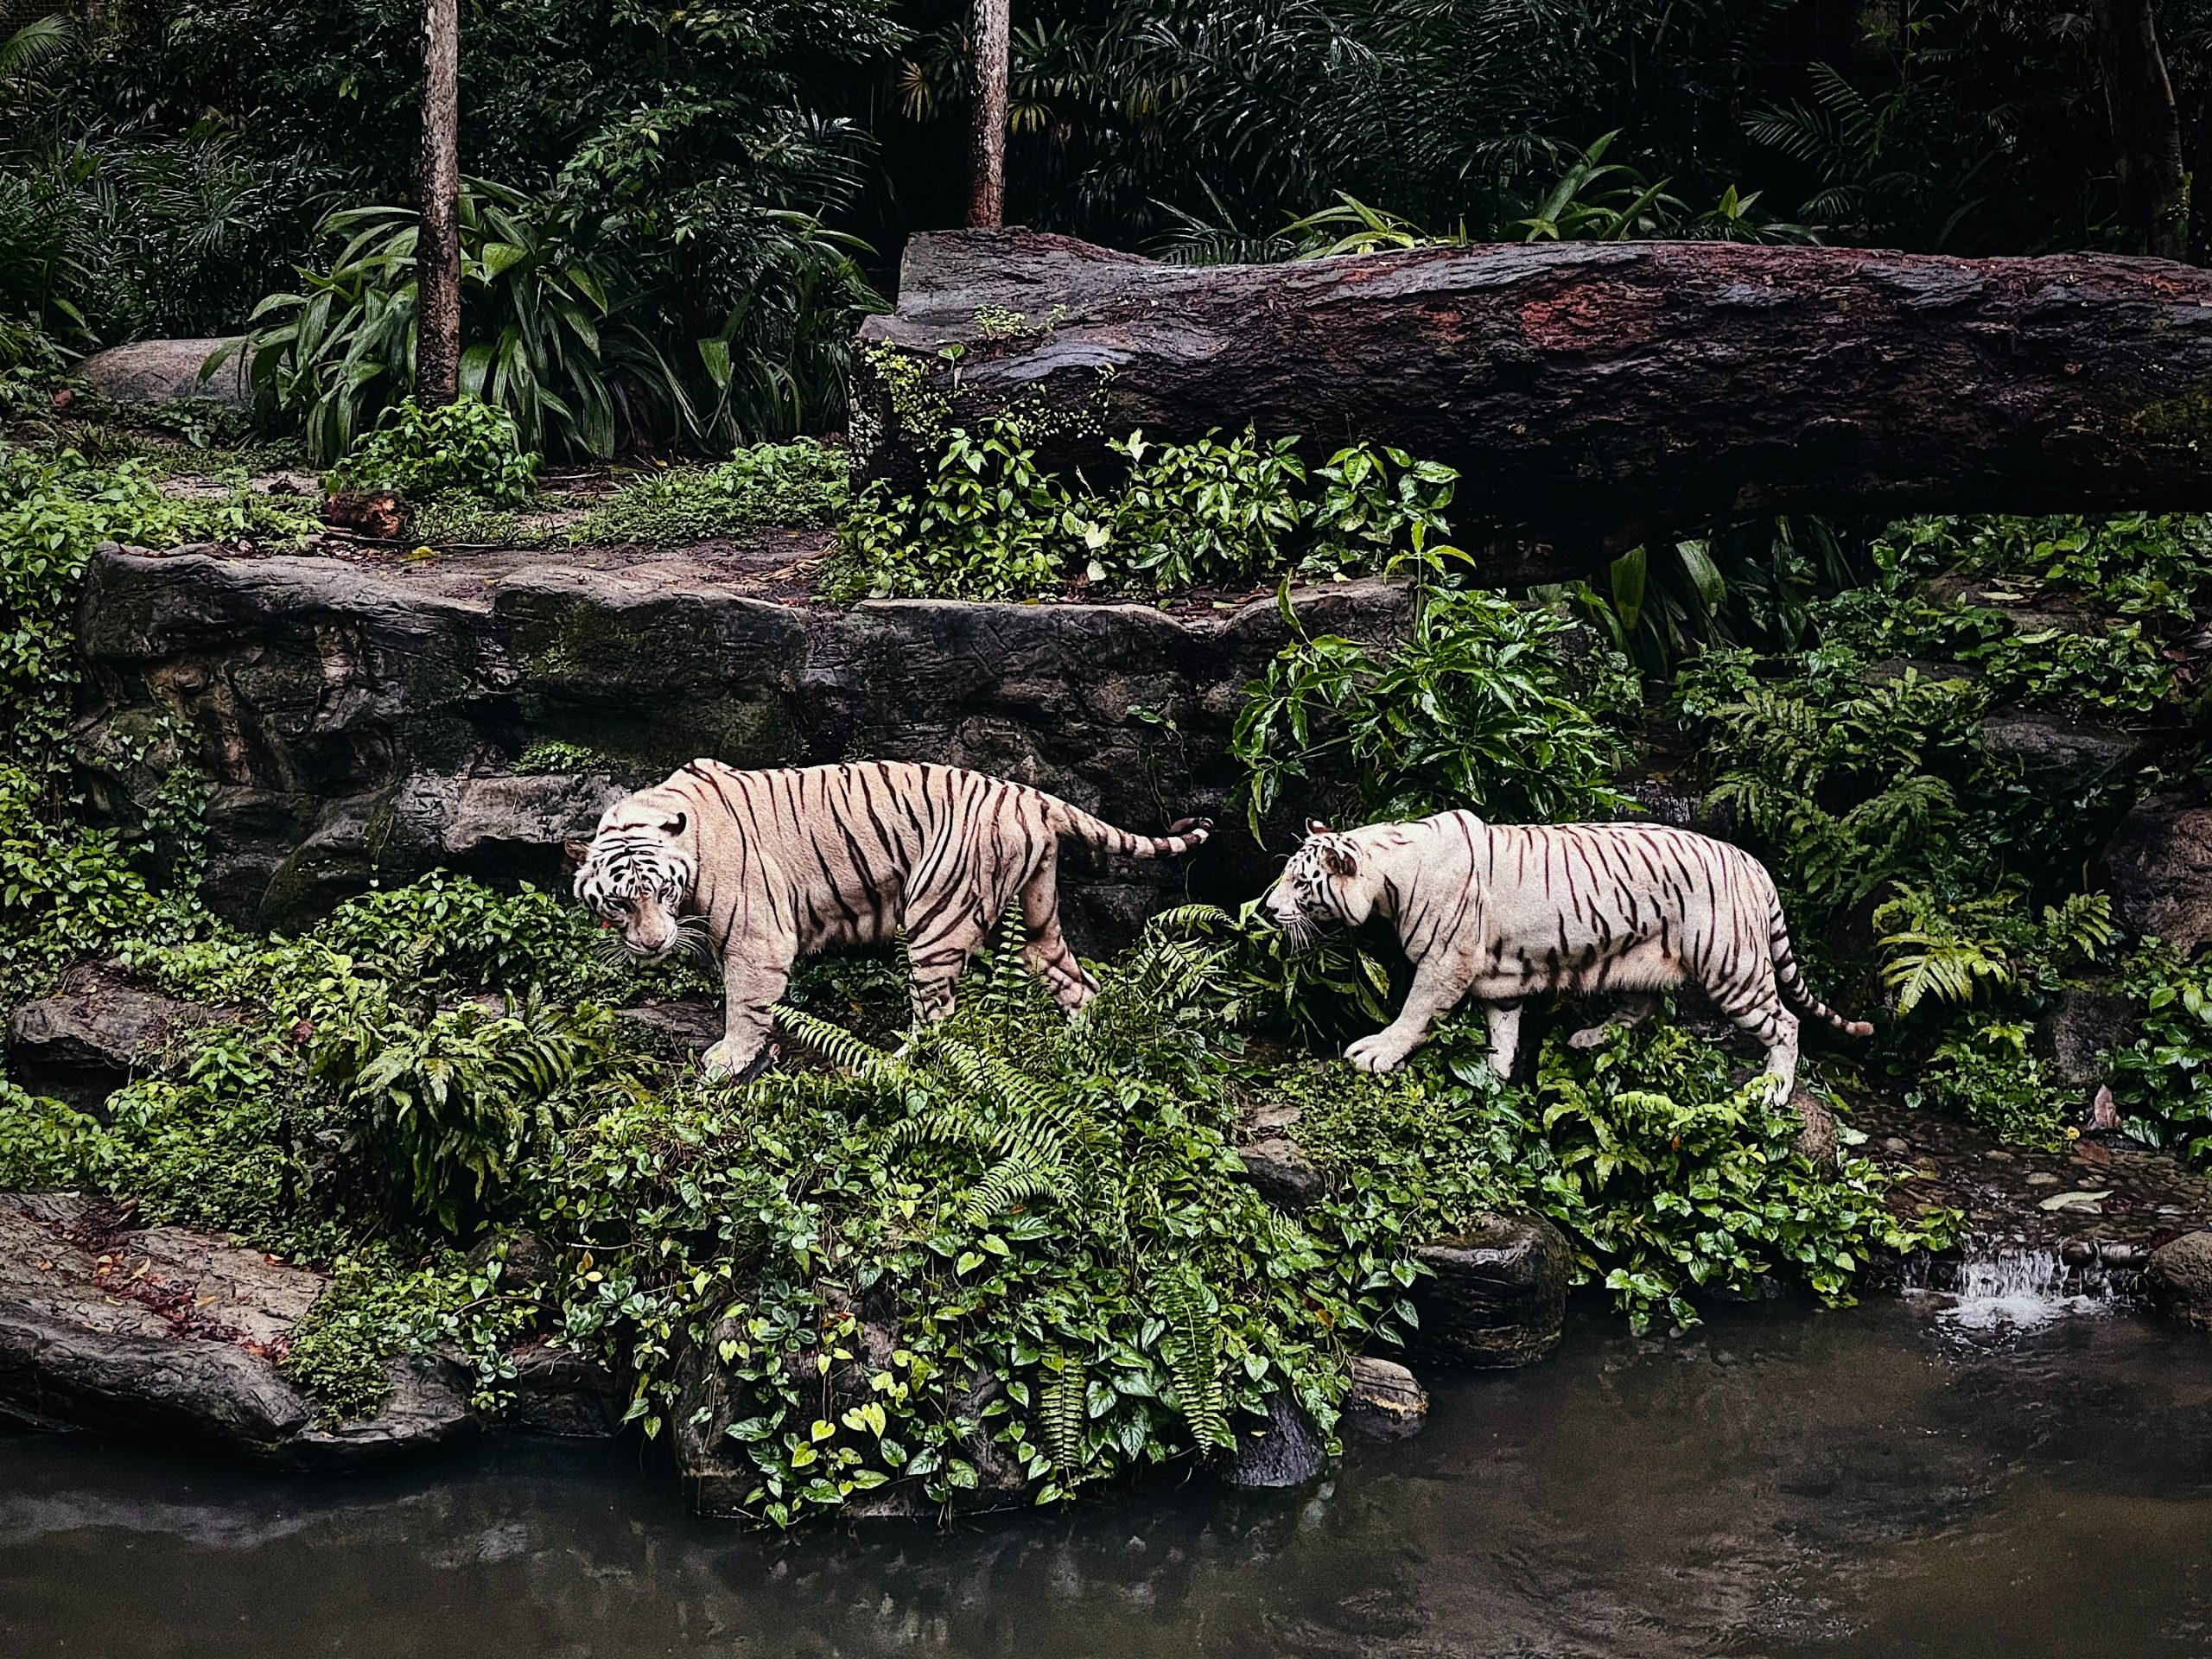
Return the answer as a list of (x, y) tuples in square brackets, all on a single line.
[(1895, 1480)]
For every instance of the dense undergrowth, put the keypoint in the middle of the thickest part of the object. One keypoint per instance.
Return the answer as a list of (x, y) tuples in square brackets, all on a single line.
[(428, 1087)]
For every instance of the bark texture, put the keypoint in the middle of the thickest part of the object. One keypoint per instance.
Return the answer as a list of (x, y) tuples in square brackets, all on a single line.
[(1592, 395), (437, 245), (987, 117)]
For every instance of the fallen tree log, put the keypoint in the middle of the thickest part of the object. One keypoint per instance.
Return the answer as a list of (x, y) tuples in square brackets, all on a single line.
[(1592, 395)]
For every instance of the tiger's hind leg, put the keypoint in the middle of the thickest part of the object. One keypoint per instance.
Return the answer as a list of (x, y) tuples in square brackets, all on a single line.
[(1045, 951), (1759, 1011)]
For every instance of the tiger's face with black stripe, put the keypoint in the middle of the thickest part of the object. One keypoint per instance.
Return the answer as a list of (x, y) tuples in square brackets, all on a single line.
[(1321, 886), (634, 875)]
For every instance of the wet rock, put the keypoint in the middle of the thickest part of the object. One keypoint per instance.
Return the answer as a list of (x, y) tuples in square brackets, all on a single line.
[(84, 1044), (2056, 751), (167, 1332), (1279, 1167), (716, 1472), (160, 371), (2158, 865), (1386, 1401), (2084, 1025), (1289, 1452), (2043, 1178), (1817, 1140), (681, 1024), (1896, 1145), (328, 698), (1890, 669), (1497, 1295), (563, 1394), (2179, 1278)]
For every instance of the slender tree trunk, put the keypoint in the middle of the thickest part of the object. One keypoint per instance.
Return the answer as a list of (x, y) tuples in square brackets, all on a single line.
[(987, 127), (437, 245), (2145, 124)]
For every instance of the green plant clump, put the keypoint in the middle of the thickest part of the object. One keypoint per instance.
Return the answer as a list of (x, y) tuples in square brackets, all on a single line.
[(467, 446), (991, 522), (801, 484), (1486, 704)]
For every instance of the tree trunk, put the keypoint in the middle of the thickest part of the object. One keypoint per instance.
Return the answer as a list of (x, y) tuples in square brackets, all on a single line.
[(2145, 124), (437, 243), (1592, 395), (987, 115)]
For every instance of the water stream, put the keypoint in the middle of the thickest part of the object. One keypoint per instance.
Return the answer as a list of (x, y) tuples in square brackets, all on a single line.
[(1909, 1478)]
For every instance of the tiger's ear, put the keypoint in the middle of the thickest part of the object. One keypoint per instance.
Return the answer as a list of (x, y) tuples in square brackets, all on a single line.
[(577, 851), (1341, 860), (1315, 827), (676, 825)]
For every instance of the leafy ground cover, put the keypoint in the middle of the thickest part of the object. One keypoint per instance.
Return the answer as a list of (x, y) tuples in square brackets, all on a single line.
[(433, 1074)]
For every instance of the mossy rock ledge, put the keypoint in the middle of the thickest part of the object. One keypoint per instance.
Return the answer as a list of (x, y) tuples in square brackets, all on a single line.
[(360, 719)]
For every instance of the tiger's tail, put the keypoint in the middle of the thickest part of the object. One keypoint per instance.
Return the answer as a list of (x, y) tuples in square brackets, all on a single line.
[(1182, 836), (1791, 983)]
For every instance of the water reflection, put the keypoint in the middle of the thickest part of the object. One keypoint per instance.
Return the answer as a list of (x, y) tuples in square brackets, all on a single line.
[(1785, 1484)]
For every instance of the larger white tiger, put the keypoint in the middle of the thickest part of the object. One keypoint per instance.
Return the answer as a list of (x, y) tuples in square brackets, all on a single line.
[(764, 867), (1504, 912)]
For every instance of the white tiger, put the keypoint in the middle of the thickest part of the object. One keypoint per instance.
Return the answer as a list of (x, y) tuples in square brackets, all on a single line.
[(764, 867), (1508, 912)]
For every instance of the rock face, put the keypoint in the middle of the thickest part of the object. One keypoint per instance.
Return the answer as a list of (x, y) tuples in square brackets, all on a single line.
[(2160, 866), (2180, 1279), (158, 370), (1278, 1168), (1386, 1401), (1288, 1452), (1591, 394), (170, 1334), (85, 1043), (1498, 1294), (360, 719), (2084, 1025), (2058, 752)]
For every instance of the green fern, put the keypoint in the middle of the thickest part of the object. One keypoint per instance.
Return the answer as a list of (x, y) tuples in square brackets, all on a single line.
[(1193, 1344), (833, 1043), (1065, 1417), (1932, 956)]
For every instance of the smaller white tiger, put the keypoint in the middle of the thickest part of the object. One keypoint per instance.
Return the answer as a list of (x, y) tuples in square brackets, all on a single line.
[(1504, 912)]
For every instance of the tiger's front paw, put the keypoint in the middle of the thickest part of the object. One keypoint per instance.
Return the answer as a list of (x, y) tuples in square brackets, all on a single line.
[(1381, 1052), (730, 1062)]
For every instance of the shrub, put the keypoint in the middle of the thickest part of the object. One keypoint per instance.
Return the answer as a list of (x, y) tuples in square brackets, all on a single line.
[(452, 1106), (2162, 1075), (467, 446), (1204, 511), (991, 523), (1479, 707)]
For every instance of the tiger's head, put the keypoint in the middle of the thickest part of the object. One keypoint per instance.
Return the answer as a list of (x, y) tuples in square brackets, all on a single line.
[(1321, 886), (635, 873)]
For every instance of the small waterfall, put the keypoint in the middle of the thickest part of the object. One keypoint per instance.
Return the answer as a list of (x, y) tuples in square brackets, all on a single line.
[(2005, 1288)]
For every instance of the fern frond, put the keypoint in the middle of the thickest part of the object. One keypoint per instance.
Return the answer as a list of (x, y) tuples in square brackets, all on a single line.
[(1193, 1348), (833, 1043), (1062, 1400)]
